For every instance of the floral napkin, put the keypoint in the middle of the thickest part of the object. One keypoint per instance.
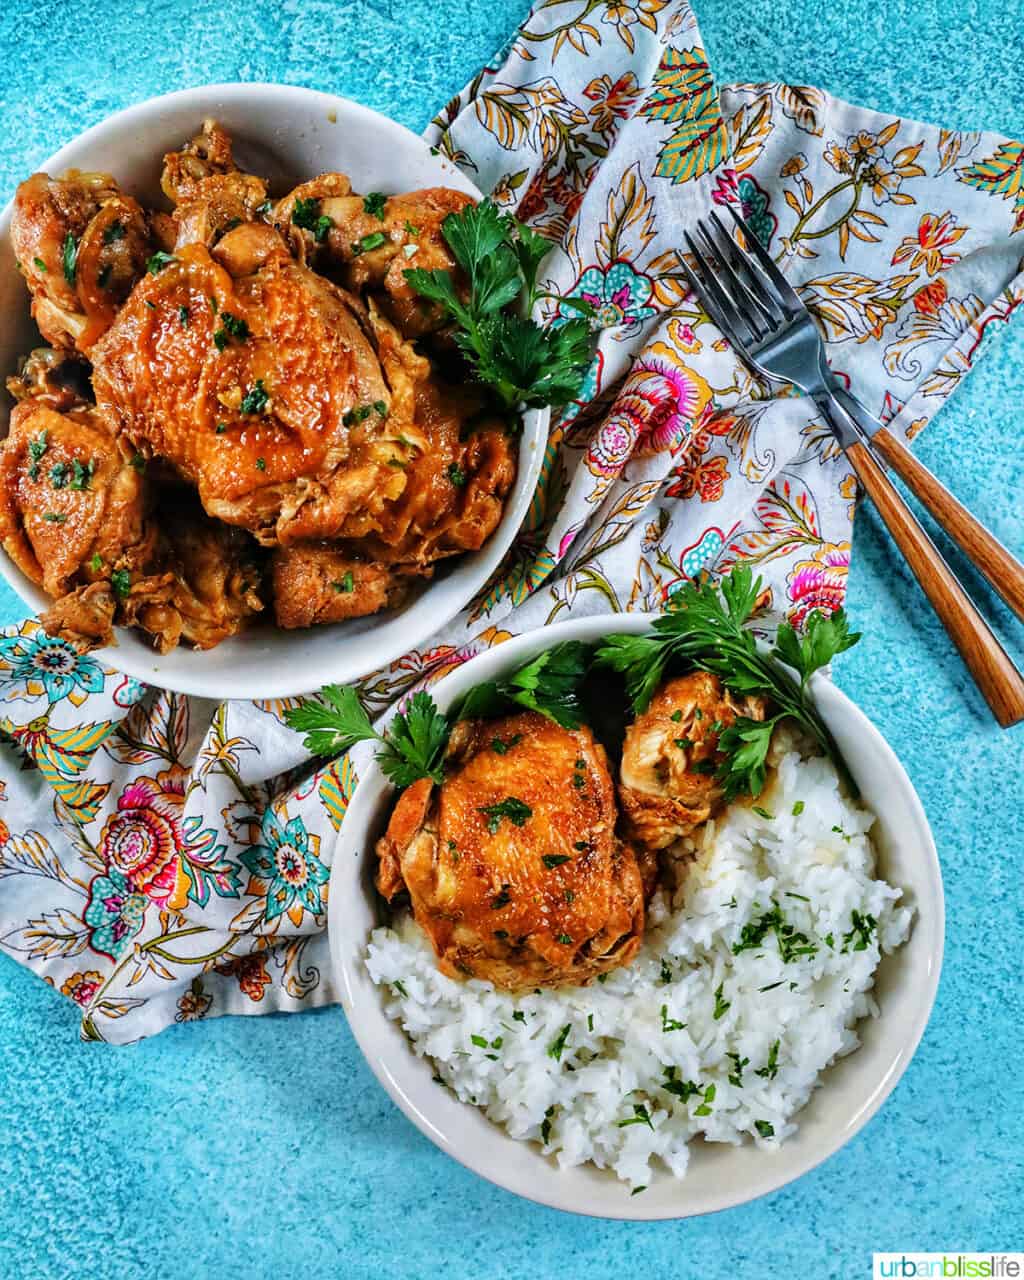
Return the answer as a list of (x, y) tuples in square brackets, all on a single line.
[(165, 858)]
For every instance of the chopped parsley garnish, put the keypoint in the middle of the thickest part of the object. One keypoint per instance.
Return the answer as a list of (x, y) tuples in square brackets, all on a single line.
[(58, 475), (798, 808), (151, 304), (305, 215), (582, 845), (54, 517), (114, 232), (220, 428), (669, 1024), (721, 1005), (479, 1041), (840, 832), (765, 1129), (557, 1045), (121, 581), (771, 1068), (255, 399), (373, 204), (502, 746), (261, 464), (800, 896), (640, 1116), (410, 230), (231, 327), (456, 475), (705, 626), (792, 943), (552, 860), (399, 986), (158, 261), (69, 258), (863, 928), (705, 1107), (772, 985), (684, 744), (36, 449), (96, 563), (564, 939), (676, 716), (183, 316), (736, 1074), (40, 263), (590, 1022), (830, 940), (501, 899), (359, 414), (345, 584), (684, 1090), (81, 473), (368, 243), (666, 973), (511, 807), (763, 813), (545, 1128), (518, 1016)]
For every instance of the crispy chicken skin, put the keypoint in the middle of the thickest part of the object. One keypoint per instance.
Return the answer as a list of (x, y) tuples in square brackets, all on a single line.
[(513, 866), (81, 244), (259, 418), (667, 785), (71, 504)]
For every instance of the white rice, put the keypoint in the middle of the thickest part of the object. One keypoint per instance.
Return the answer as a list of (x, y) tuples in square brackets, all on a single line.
[(500, 1051)]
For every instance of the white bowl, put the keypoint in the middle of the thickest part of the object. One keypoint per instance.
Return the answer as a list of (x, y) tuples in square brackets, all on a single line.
[(288, 135), (719, 1176)]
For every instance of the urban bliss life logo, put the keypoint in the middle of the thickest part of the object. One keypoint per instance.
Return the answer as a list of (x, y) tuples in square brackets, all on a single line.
[(948, 1266)]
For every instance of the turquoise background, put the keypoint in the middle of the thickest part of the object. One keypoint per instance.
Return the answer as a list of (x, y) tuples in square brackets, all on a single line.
[(263, 1146)]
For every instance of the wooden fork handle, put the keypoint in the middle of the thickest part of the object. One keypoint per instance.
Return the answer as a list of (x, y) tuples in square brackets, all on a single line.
[(1004, 572), (1000, 682)]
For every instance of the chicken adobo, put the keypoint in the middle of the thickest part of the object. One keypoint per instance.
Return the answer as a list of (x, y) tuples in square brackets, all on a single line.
[(244, 407), (513, 866)]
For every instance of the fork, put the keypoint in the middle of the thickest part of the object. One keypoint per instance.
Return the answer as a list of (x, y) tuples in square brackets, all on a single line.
[(762, 316)]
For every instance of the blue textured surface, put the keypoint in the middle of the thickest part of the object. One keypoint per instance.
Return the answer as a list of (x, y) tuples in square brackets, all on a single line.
[(263, 1147)]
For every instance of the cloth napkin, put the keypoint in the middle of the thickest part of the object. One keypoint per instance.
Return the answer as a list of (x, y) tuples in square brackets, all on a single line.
[(164, 858)]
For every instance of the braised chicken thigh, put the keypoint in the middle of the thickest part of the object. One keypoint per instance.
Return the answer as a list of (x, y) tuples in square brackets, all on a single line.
[(513, 866)]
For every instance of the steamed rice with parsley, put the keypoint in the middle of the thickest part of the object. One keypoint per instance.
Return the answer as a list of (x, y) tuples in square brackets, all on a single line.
[(756, 967)]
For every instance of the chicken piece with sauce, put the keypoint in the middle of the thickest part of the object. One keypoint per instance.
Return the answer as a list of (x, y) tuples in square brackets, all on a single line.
[(81, 244), (258, 381), (670, 755), (513, 865), (72, 514), (210, 194)]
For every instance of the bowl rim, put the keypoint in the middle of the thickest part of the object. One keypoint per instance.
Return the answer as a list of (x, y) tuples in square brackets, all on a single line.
[(372, 784), (131, 655)]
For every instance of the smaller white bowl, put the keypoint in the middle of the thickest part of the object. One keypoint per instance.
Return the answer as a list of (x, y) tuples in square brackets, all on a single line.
[(287, 135), (719, 1176)]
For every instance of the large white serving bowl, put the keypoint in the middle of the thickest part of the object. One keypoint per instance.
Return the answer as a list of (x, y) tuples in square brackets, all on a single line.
[(719, 1176), (288, 135)]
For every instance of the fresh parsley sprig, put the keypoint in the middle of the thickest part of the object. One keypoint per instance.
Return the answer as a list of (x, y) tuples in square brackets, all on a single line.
[(411, 747), (706, 629), (550, 684), (523, 362)]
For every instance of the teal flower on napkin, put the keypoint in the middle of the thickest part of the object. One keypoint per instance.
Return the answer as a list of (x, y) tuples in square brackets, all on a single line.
[(48, 665), (114, 914), (287, 863), (619, 294)]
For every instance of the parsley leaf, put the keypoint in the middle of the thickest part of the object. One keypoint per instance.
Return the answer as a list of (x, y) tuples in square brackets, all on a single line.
[(706, 628), (512, 808), (69, 259), (255, 399), (414, 743), (373, 204), (523, 362)]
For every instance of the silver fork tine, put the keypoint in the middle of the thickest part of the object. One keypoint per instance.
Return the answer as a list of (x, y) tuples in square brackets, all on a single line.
[(714, 313), (750, 279), (732, 285), (787, 295), (712, 289)]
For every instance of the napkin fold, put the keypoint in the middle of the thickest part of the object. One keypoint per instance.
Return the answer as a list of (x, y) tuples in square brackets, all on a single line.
[(165, 858)]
